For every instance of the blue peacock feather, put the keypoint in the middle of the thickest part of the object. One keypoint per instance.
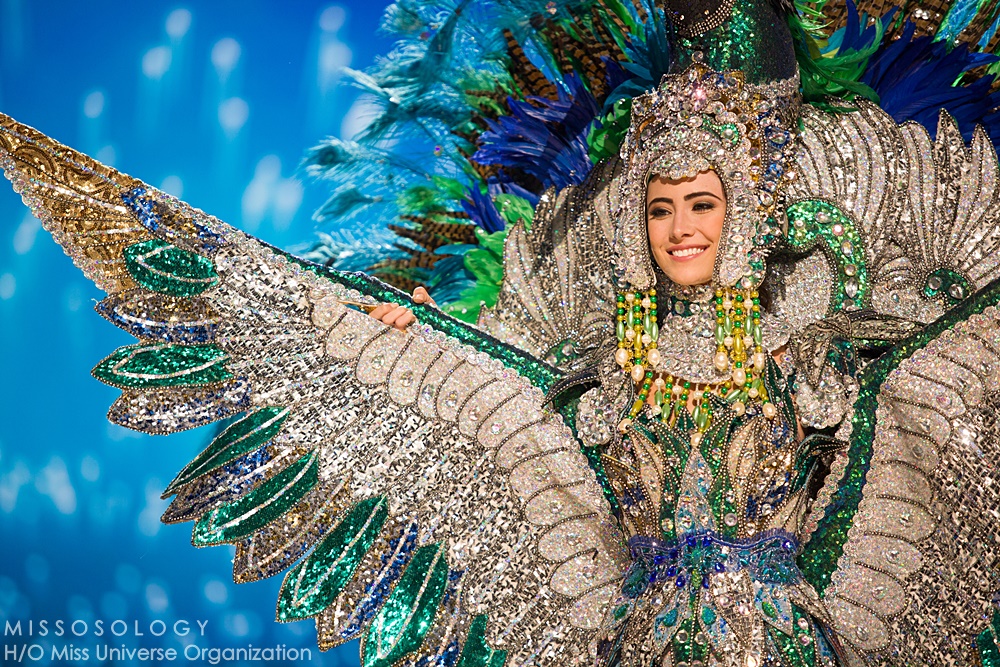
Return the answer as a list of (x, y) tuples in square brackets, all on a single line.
[(545, 139), (916, 78)]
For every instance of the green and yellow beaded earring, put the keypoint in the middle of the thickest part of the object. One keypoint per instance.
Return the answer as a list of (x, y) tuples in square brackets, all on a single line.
[(737, 332), (638, 330)]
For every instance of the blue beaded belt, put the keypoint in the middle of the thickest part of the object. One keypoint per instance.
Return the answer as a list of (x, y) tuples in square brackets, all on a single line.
[(691, 560)]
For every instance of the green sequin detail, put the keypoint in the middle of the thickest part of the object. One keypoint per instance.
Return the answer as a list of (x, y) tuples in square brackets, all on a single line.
[(678, 306), (798, 650), (686, 649), (819, 559), (541, 374), (950, 285), (312, 585), (260, 507), (986, 642), (562, 353), (476, 652), (812, 222), (242, 437), (727, 131), (163, 365), (675, 442), (161, 267), (402, 623), (753, 39)]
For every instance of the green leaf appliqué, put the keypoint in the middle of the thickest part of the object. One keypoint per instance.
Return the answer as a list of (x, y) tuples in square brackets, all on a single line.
[(163, 365), (162, 267), (241, 437), (260, 507), (312, 585), (400, 626)]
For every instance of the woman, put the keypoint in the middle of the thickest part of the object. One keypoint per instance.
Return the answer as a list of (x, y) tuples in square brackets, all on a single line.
[(707, 461), (426, 501)]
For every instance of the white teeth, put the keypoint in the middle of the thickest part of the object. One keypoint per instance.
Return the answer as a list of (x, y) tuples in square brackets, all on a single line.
[(687, 252)]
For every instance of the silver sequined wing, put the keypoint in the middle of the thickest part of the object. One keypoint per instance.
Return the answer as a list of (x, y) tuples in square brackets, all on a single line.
[(422, 499), (556, 300), (843, 208), (905, 225), (907, 555)]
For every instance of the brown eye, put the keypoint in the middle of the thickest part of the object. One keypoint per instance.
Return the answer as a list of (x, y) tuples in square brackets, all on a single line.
[(659, 212), (703, 206)]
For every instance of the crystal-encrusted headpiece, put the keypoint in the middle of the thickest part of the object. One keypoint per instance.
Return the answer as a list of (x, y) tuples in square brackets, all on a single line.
[(702, 120)]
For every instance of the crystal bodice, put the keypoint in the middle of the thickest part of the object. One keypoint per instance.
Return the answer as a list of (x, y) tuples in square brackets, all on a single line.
[(712, 521)]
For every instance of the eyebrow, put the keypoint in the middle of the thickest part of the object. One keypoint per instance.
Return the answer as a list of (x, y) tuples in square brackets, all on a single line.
[(693, 195)]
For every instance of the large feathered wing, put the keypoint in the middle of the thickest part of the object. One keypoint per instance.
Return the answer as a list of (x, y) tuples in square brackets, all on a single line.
[(907, 556), (905, 552), (421, 496)]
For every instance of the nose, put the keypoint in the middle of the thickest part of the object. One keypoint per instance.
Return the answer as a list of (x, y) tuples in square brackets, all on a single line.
[(682, 227)]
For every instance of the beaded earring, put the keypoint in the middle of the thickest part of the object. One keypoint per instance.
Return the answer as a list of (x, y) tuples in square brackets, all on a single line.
[(738, 330), (637, 330)]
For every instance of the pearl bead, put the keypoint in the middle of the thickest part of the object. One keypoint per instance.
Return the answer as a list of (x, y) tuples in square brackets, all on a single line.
[(638, 372), (770, 411), (646, 339), (654, 359), (721, 361), (658, 382), (739, 377), (753, 393), (759, 360), (656, 409), (646, 303), (630, 334), (678, 390), (727, 304), (728, 342), (621, 356), (748, 342), (739, 408)]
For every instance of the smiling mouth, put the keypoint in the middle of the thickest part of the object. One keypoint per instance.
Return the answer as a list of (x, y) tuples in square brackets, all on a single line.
[(686, 252)]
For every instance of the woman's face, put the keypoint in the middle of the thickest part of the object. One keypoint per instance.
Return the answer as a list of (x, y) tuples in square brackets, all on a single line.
[(685, 219)]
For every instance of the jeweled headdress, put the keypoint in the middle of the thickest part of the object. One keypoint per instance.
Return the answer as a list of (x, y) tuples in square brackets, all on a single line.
[(699, 120), (739, 123)]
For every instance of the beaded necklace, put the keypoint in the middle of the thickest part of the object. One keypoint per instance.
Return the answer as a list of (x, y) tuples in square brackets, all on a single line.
[(739, 350)]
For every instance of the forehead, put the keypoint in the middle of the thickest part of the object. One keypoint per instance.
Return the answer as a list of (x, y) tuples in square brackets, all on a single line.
[(706, 181)]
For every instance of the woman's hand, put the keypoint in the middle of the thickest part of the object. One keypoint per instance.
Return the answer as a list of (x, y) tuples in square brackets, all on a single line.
[(399, 316)]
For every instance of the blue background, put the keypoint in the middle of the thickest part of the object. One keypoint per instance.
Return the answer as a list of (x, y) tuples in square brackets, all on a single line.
[(215, 103)]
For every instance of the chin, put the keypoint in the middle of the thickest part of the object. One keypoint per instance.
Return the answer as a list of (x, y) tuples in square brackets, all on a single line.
[(690, 275)]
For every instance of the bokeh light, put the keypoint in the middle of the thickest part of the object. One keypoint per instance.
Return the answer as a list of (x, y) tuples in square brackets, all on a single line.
[(213, 102)]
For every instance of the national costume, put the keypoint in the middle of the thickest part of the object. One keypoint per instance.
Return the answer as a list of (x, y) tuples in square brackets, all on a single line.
[(533, 489)]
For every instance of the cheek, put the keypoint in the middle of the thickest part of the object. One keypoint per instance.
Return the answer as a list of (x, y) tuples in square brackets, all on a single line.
[(656, 230), (713, 227)]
